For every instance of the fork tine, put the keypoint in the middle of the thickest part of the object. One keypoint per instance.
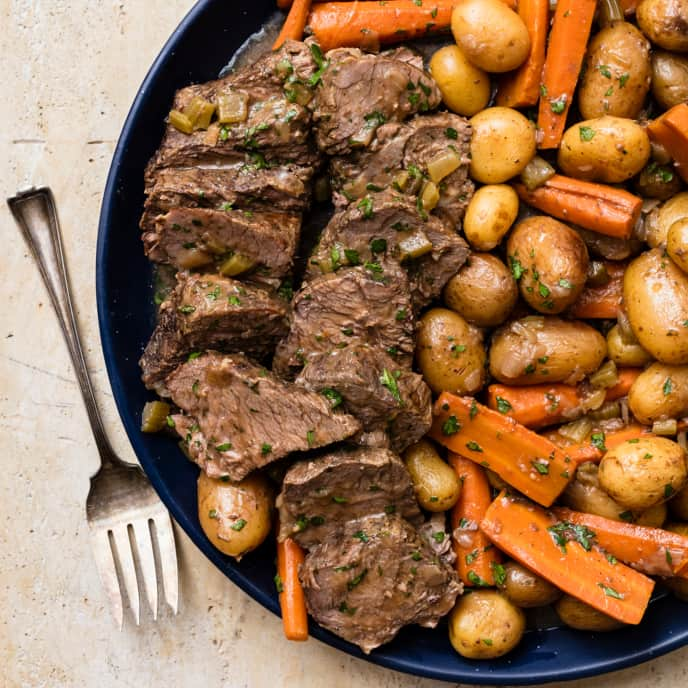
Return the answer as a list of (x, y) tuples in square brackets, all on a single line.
[(120, 536), (105, 563), (168, 558), (144, 547)]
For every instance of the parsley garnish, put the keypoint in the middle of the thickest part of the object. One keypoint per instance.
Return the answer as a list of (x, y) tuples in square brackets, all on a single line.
[(474, 446), (451, 426), (389, 381), (610, 592), (586, 133), (503, 406)]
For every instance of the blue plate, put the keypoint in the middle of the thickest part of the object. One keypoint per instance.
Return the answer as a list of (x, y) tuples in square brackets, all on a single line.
[(196, 52)]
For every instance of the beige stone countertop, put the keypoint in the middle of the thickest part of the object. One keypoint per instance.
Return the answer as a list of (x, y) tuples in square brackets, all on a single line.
[(70, 70)]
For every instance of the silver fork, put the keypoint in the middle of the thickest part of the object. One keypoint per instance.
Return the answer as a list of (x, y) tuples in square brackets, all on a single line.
[(123, 511)]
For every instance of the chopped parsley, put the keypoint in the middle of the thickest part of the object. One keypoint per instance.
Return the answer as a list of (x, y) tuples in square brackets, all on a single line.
[(474, 578), (279, 586), (667, 387), (352, 256), (265, 448), (310, 437), (451, 133), (225, 446), (565, 284), (540, 467), (499, 573), (474, 410), (503, 406), (517, 270), (378, 245), (597, 440), (212, 513), (565, 531), (610, 592), (365, 205), (472, 556), (333, 396), (586, 133), (439, 536), (238, 525), (604, 71), (668, 490), (356, 579), (474, 446), (558, 105), (389, 381), (400, 315), (360, 535), (339, 500), (451, 426)]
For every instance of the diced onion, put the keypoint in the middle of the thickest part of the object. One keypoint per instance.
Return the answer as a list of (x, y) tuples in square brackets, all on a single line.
[(576, 431), (665, 427), (605, 376), (442, 165), (180, 122), (232, 107), (429, 196), (236, 264), (414, 245)]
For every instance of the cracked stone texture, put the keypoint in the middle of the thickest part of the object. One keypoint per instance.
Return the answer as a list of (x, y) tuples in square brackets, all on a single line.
[(70, 71)]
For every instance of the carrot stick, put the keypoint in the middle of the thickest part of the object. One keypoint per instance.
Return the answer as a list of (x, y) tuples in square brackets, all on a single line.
[(567, 559), (294, 616), (627, 376), (530, 463), (671, 130), (600, 208), (568, 42), (602, 302), (653, 551), (587, 451), (522, 87), (476, 557), (294, 24)]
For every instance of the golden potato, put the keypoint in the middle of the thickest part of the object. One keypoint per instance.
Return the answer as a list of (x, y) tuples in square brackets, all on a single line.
[(669, 78), (678, 505), (525, 588), (616, 77), (236, 517), (658, 181), (436, 484), (605, 149), (583, 617), (485, 625), (489, 215), (659, 392), (665, 23), (641, 474), (625, 353), (656, 300), (585, 494), (551, 261), (465, 89), (502, 144), (492, 36), (539, 349), (653, 517), (483, 291), (677, 243), (677, 527), (450, 352), (660, 219)]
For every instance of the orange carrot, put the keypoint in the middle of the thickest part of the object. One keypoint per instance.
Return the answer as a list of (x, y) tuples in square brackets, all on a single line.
[(294, 616), (566, 558), (600, 208), (595, 447), (530, 463), (568, 42), (522, 87), (671, 130), (477, 560), (653, 551), (627, 376), (295, 23), (602, 302)]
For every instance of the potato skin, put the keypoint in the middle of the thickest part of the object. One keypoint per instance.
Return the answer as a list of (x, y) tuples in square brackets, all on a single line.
[(223, 506), (659, 392), (492, 36), (436, 484), (656, 300), (660, 219), (677, 243), (554, 259), (669, 78), (483, 291), (653, 517), (585, 494), (658, 181), (539, 349), (450, 352), (665, 23), (465, 89), (489, 215), (583, 617), (641, 474), (502, 144), (485, 625), (526, 589), (618, 54), (623, 353)]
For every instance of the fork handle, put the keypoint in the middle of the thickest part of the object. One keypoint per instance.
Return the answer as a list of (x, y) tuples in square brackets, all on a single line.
[(36, 214)]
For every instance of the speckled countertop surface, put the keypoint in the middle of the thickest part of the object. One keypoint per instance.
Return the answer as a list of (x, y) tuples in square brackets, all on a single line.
[(70, 69)]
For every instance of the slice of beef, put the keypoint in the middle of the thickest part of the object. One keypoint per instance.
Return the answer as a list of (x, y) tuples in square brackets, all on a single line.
[(211, 312), (374, 576), (318, 495), (409, 147), (355, 305), (200, 237), (359, 92), (373, 230), (370, 385), (239, 417)]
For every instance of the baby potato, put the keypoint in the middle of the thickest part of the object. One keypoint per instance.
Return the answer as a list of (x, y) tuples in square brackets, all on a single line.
[(658, 181), (526, 589), (677, 243), (236, 517), (551, 260), (605, 149), (465, 89), (583, 617), (641, 474), (616, 77), (502, 144), (660, 219), (483, 291), (656, 300), (624, 353), (436, 484), (678, 505), (489, 215), (485, 625), (492, 36), (659, 392), (653, 517), (585, 494), (669, 78), (665, 23), (539, 349), (450, 352)]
